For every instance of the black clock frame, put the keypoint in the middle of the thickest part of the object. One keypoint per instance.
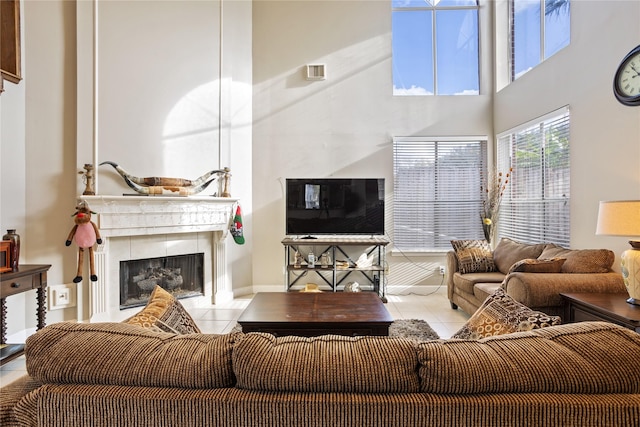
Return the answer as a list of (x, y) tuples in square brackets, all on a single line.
[(632, 101)]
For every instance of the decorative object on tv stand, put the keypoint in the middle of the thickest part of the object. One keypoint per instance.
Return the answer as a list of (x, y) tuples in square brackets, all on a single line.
[(88, 180), (622, 218), (86, 234), (178, 186), (14, 248), (492, 190)]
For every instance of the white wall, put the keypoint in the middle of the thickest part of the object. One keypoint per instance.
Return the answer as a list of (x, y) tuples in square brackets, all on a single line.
[(342, 126), (339, 127), (41, 154), (605, 135)]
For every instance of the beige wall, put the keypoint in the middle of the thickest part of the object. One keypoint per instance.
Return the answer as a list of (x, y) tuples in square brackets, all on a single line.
[(339, 127), (605, 135), (41, 153), (342, 126)]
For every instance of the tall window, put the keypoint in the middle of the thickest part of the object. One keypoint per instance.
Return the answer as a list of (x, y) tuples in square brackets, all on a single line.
[(539, 29), (535, 205), (437, 195), (435, 47)]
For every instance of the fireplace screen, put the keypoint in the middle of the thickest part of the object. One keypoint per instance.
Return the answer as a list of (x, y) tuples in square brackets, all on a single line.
[(181, 275)]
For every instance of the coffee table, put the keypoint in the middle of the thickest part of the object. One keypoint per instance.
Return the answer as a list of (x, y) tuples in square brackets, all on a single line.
[(312, 314)]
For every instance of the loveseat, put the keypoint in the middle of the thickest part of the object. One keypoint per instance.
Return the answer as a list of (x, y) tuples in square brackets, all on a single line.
[(101, 374), (532, 274)]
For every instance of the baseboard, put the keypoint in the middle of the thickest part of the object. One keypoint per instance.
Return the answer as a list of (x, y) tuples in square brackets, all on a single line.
[(414, 289)]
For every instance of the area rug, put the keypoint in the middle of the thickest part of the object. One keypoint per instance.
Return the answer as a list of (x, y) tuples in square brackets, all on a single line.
[(413, 329)]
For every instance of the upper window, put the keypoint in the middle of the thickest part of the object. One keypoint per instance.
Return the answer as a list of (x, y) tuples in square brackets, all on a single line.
[(535, 206), (436, 191), (435, 47), (539, 29)]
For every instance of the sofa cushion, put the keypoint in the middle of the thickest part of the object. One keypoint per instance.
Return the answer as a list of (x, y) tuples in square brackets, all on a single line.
[(467, 282), (552, 265), (500, 314), (508, 252), (474, 256), (581, 260), (164, 312), (585, 358), (328, 363), (123, 354)]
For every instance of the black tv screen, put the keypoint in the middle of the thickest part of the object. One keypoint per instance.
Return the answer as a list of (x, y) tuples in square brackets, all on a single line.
[(334, 206)]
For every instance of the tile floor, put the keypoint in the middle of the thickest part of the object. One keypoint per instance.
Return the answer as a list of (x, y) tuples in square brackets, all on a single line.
[(434, 308)]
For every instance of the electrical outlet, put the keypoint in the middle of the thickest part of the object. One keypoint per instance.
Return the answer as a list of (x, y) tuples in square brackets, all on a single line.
[(442, 270), (62, 296)]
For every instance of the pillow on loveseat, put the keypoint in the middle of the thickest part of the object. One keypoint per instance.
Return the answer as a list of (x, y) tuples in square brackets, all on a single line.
[(581, 260), (553, 265), (164, 313), (474, 256), (508, 252), (500, 314)]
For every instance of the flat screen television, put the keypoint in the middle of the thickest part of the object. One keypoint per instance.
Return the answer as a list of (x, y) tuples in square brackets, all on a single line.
[(334, 206)]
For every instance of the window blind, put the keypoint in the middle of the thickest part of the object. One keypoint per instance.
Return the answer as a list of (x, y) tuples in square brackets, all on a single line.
[(437, 195), (535, 206)]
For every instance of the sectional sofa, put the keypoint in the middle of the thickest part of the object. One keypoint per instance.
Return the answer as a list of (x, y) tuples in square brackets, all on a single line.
[(532, 274), (118, 374)]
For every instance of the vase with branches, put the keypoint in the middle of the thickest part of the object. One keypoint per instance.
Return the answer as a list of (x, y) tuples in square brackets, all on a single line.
[(492, 191)]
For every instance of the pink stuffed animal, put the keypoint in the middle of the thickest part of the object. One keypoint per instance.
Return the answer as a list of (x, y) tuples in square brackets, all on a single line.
[(86, 234)]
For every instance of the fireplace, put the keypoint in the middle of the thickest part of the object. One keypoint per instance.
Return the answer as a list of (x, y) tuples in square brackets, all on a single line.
[(140, 228), (180, 275)]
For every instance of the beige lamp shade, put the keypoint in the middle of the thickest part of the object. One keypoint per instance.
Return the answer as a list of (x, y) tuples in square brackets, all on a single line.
[(622, 218), (619, 218)]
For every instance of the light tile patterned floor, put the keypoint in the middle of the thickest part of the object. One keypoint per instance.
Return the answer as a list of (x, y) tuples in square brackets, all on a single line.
[(434, 308)]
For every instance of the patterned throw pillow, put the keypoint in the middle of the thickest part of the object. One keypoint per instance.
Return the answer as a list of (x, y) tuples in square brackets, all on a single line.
[(164, 313), (553, 265), (500, 314), (474, 256)]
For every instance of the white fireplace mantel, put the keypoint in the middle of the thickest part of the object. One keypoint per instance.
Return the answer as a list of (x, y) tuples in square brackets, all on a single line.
[(130, 216)]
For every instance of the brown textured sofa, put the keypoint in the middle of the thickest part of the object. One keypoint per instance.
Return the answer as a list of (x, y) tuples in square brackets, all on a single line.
[(579, 270), (114, 374)]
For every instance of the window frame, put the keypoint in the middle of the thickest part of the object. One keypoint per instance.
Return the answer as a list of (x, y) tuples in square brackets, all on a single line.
[(434, 42), (513, 76), (508, 223), (473, 202)]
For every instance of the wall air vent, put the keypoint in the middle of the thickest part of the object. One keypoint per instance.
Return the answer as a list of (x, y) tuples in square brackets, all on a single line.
[(315, 72)]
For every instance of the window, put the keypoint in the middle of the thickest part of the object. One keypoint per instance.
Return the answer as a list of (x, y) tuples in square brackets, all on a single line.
[(435, 47), (539, 29), (437, 195), (535, 205)]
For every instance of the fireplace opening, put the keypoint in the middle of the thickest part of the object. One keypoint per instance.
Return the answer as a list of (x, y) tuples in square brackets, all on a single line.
[(181, 275)]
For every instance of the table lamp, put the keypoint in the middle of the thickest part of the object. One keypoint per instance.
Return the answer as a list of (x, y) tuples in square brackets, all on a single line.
[(622, 218)]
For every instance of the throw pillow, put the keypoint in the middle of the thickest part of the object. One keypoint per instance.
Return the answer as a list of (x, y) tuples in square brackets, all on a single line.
[(581, 260), (500, 314), (508, 252), (474, 256), (164, 313), (553, 265)]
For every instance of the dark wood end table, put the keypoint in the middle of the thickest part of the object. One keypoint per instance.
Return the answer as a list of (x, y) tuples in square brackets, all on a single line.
[(614, 308), (313, 314), (28, 277)]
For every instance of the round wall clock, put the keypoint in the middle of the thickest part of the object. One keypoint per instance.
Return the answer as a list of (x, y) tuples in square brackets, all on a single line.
[(626, 82)]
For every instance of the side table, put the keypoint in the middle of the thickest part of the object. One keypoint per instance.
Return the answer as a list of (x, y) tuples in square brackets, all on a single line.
[(613, 308), (28, 277)]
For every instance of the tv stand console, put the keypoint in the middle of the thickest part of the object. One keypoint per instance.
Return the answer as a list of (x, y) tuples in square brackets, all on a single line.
[(342, 256)]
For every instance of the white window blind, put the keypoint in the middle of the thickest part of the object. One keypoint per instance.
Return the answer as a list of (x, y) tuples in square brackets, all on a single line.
[(535, 206), (437, 195)]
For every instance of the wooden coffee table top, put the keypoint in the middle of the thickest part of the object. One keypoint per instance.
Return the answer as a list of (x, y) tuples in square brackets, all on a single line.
[(284, 313)]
